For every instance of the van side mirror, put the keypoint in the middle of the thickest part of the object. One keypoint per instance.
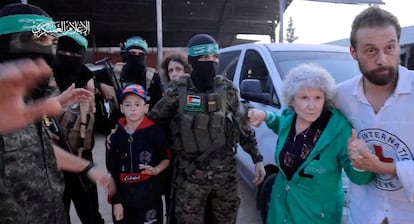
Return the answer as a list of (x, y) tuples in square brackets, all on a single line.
[(251, 90)]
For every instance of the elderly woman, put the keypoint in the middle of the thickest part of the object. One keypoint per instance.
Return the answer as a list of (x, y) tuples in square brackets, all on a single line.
[(311, 150)]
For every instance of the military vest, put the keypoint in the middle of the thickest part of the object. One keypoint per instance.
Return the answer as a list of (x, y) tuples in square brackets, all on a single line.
[(202, 117)]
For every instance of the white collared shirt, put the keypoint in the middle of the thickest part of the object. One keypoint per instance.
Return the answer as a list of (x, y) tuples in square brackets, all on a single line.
[(389, 132)]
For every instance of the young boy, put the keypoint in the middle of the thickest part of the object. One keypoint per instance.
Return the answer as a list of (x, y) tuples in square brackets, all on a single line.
[(137, 152)]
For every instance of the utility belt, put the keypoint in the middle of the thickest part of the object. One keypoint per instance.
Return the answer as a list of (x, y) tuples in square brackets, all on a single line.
[(128, 178)]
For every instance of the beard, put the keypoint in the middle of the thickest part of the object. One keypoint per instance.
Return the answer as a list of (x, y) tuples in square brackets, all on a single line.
[(382, 79)]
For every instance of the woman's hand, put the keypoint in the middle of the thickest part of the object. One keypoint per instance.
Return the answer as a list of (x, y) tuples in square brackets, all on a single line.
[(256, 117)]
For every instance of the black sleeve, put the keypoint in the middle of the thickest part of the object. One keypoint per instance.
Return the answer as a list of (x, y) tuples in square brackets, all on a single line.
[(112, 165), (155, 90), (247, 135)]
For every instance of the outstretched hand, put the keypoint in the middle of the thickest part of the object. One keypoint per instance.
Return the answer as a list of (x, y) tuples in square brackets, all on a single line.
[(103, 179), (260, 173), (17, 78), (74, 95), (256, 117)]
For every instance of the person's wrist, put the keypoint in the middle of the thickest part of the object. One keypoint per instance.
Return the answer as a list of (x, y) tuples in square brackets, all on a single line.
[(257, 158), (87, 168), (156, 171)]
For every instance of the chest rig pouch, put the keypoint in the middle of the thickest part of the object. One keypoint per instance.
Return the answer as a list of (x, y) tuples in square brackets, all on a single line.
[(202, 117), (78, 128)]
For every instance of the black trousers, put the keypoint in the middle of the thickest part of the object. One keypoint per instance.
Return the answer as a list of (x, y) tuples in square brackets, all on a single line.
[(84, 195)]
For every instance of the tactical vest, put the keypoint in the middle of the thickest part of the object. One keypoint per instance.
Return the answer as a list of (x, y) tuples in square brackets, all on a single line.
[(71, 123), (202, 117)]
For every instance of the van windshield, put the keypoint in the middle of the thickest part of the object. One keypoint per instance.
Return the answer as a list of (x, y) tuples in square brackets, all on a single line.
[(340, 64)]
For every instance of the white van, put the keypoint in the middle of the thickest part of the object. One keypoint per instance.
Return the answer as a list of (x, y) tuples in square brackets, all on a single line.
[(258, 70)]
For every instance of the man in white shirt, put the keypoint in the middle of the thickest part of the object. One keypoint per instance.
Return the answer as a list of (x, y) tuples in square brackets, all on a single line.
[(380, 106)]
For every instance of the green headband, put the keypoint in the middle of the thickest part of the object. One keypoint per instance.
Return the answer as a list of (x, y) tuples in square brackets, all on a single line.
[(81, 40), (37, 24), (137, 42), (203, 49)]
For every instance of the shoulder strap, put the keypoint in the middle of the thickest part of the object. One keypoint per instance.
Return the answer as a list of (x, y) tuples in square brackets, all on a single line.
[(182, 83), (220, 88), (118, 68), (220, 82), (149, 76)]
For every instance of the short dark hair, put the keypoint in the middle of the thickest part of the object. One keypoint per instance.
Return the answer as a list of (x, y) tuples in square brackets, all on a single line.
[(373, 17)]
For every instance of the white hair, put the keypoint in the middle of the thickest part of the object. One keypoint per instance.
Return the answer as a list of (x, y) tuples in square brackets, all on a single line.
[(311, 76)]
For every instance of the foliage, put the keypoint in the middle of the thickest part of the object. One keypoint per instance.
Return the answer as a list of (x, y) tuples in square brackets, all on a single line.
[(290, 32)]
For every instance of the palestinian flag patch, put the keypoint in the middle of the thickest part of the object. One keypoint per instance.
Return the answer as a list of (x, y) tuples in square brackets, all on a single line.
[(193, 100)]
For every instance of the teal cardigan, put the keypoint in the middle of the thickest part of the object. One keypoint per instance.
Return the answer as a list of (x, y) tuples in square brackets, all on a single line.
[(319, 199)]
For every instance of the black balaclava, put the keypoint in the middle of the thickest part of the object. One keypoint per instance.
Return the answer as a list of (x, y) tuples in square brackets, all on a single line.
[(68, 69), (17, 42), (134, 70), (203, 72)]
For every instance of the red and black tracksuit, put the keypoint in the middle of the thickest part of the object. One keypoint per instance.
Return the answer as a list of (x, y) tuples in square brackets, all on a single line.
[(140, 194)]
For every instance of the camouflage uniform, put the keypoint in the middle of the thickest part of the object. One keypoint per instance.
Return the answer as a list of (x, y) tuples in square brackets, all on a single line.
[(209, 178), (31, 186)]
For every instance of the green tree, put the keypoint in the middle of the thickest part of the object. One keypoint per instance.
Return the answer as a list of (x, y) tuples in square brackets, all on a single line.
[(290, 32)]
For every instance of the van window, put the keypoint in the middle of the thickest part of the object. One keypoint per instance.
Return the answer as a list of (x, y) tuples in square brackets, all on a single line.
[(228, 63), (339, 64), (255, 68), (410, 58)]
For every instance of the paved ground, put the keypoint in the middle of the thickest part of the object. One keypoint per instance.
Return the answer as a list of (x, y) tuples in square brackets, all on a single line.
[(247, 212)]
